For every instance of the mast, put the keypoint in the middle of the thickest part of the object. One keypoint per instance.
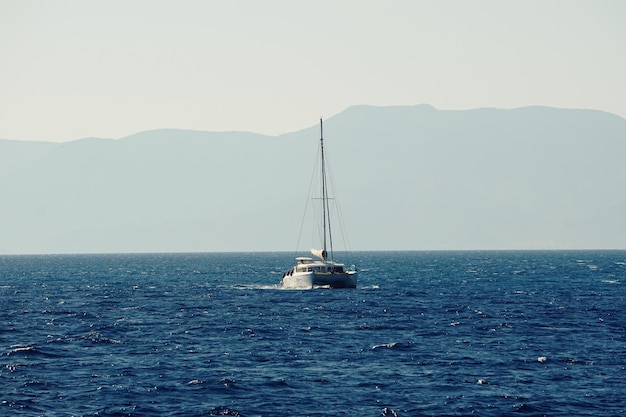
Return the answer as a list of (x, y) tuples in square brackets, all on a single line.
[(325, 206)]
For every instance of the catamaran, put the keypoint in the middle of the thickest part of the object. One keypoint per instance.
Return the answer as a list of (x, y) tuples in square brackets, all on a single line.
[(323, 271)]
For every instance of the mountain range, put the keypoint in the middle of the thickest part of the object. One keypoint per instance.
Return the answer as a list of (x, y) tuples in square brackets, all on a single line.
[(407, 177)]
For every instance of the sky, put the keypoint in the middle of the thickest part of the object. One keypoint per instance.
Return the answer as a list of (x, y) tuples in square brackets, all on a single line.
[(71, 69)]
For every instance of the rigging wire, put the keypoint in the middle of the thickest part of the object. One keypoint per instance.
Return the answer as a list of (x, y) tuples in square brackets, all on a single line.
[(340, 217), (309, 194)]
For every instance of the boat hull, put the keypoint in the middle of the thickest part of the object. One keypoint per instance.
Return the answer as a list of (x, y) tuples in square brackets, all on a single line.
[(336, 280), (307, 280), (302, 281)]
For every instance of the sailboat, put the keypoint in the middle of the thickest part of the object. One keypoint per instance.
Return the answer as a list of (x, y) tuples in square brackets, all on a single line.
[(323, 271)]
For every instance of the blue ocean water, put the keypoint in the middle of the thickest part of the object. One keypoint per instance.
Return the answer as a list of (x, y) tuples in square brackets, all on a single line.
[(424, 334)]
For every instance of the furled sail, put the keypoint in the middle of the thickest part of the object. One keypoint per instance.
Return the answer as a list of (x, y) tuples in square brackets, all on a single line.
[(320, 253)]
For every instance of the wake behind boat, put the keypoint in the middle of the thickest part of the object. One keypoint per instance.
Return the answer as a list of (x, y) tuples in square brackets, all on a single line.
[(324, 271)]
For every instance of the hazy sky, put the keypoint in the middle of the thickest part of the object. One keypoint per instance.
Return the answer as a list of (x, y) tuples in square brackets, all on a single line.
[(73, 69)]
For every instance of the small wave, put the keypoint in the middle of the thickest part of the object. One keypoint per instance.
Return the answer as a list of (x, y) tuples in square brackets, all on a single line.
[(91, 337), (27, 350), (281, 383), (371, 327), (526, 408), (611, 281), (393, 345), (69, 313), (195, 382), (35, 384), (21, 349), (228, 383), (225, 411)]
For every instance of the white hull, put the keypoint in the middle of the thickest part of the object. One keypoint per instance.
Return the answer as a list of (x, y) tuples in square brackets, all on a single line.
[(303, 281), (306, 280)]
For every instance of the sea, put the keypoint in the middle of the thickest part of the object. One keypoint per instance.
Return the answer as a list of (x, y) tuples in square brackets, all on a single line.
[(485, 333)]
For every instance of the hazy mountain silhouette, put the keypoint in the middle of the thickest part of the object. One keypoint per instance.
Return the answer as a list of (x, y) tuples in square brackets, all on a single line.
[(408, 177)]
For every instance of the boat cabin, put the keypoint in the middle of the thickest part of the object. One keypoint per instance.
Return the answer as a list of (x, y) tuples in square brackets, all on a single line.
[(310, 265)]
